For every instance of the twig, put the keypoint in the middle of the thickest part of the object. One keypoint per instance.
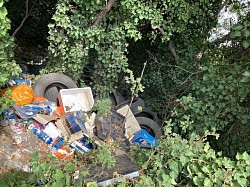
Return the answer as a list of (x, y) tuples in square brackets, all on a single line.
[(102, 14), (27, 14), (228, 132), (133, 95), (175, 66), (190, 77), (169, 65), (172, 50)]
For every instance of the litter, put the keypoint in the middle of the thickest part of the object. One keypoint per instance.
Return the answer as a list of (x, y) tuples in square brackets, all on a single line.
[(21, 94), (72, 127), (76, 99), (143, 138)]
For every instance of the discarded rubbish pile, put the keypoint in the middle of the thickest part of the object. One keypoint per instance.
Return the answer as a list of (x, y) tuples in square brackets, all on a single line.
[(69, 125)]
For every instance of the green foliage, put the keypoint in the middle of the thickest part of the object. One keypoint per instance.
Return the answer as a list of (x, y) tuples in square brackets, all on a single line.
[(103, 107), (104, 155), (242, 31), (6, 101), (50, 173), (77, 34), (219, 103), (8, 67), (135, 84), (180, 162)]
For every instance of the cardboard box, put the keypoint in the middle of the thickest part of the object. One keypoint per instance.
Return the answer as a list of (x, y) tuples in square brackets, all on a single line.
[(76, 99), (63, 125), (76, 121)]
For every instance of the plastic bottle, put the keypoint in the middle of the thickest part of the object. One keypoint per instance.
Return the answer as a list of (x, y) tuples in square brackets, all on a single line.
[(42, 135)]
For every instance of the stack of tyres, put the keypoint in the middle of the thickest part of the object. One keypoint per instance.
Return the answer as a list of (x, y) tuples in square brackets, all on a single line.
[(146, 118)]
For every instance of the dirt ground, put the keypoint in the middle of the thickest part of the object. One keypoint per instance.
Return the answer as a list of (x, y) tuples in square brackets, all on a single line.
[(15, 149)]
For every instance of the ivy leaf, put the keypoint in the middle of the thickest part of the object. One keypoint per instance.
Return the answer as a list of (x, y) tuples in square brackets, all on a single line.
[(32, 178), (3, 78), (206, 147), (3, 12), (208, 182), (205, 169), (85, 173), (184, 159), (246, 33), (237, 27), (69, 167), (239, 156), (173, 174), (246, 43), (243, 182), (198, 181), (235, 34), (59, 175), (174, 166), (246, 74), (91, 184)]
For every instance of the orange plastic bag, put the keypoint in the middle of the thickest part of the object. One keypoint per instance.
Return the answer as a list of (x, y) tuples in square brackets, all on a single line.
[(21, 94), (39, 99)]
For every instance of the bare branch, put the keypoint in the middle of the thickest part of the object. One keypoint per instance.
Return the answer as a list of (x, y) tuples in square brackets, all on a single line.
[(175, 66), (172, 50), (102, 14), (27, 14), (170, 43), (158, 28)]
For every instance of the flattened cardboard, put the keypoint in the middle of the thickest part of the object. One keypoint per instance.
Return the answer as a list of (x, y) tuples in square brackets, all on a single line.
[(76, 136), (131, 124), (43, 119), (63, 127)]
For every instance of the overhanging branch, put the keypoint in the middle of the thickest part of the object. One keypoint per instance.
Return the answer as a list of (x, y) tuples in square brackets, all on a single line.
[(102, 14), (170, 43), (27, 14)]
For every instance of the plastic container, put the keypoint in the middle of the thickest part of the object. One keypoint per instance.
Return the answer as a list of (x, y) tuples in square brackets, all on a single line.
[(142, 137), (76, 99), (42, 135)]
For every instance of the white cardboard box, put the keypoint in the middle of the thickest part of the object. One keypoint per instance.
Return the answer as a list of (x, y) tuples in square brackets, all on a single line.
[(76, 99)]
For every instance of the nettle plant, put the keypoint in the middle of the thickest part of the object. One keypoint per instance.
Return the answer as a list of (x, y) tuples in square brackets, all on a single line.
[(8, 67)]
